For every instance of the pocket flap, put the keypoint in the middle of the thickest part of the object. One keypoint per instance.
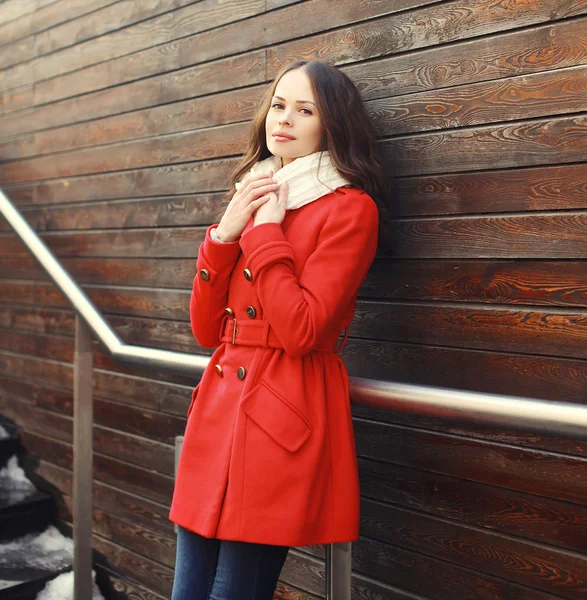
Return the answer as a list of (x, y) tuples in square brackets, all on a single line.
[(276, 416), (194, 394)]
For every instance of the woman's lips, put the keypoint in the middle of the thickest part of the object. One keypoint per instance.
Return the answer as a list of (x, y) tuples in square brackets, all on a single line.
[(281, 138)]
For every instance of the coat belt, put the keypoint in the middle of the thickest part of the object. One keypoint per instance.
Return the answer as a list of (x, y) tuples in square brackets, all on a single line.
[(260, 333)]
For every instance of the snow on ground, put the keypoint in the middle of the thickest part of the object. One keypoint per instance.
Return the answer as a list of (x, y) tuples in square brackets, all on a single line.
[(61, 588), (14, 484), (3, 433), (50, 551)]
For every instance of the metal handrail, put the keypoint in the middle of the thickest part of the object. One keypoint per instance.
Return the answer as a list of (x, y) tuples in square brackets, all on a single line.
[(556, 418)]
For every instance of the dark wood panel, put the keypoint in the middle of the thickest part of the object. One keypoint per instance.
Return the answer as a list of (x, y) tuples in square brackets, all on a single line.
[(529, 282), (491, 508), (525, 331), (557, 92), (539, 283), (531, 50), (171, 397), (220, 108), (133, 449), (549, 378), (215, 43), (170, 304), (134, 509), (172, 242), (136, 480), (526, 51), (549, 474), (116, 584), (438, 24), (544, 568), (167, 211), (158, 426), (169, 23), (560, 235), (550, 235), (153, 272), (205, 144), (434, 578), (530, 189), (190, 178), (527, 143), (50, 28), (154, 575)]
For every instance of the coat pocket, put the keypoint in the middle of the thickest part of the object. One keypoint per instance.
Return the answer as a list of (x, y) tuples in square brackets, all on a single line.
[(276, 416), (194, 394)]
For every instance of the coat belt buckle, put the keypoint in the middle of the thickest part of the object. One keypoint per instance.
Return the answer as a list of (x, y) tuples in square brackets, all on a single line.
[(234, 330)]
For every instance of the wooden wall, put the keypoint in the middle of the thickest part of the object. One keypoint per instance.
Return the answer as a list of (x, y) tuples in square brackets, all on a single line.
[(119, 124)]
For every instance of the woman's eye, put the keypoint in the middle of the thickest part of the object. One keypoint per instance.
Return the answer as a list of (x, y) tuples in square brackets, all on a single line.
[(309, 112), (275, 105)]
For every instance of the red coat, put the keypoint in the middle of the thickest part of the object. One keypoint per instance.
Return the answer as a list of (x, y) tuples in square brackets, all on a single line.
[(269, 451)]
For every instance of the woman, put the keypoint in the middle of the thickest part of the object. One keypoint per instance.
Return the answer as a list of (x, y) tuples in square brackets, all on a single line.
[(268, 459)]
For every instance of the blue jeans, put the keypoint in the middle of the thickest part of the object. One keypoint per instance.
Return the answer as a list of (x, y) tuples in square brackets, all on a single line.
[(212, 569)]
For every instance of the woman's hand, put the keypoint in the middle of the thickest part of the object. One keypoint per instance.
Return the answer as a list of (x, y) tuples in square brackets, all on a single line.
[(252, 194), (273, 211)]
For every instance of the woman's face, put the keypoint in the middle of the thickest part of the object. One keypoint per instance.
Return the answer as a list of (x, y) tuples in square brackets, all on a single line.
[(293, 112)]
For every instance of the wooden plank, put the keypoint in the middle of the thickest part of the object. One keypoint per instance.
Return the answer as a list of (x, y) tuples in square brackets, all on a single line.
[(205, 144), (543, 377), (532, 236), (134, 509), (543, 235), (171, 242), (142, 94), (525, 143), (132, 478), (133, 449), (538, 283), (529, 282), (115, 271), (555, 476), (189, 178), (215, 109), (551, 46), (46, 25), (562, 333), (438, 24), (530, 189), (265, 28), (435, 578), (11, 10), (539, 95), (165, 211), (169, 23), (169, 397), (489, 507), (529, 96), (553, 571), (536, 49)]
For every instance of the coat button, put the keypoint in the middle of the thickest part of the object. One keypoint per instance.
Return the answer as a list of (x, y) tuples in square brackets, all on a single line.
[(251, 312), (248, 275), (204, 274), (241, 373), (218, 370), (229, 311)]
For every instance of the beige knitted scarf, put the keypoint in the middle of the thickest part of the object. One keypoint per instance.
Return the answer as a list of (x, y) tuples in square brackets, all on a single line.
[(308, 177)]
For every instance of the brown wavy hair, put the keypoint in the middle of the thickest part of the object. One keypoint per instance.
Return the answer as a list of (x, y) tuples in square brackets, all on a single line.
[(348, 134)]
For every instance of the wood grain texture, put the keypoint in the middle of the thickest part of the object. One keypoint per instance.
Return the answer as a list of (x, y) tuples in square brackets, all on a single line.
[(47, 29), (166, 25), (531, 189)]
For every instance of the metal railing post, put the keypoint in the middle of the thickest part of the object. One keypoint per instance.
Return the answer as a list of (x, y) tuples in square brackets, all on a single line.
[(82, 461), (338, 571)]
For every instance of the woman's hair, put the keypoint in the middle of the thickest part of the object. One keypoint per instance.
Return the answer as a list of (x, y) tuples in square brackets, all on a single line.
[(348, 134)]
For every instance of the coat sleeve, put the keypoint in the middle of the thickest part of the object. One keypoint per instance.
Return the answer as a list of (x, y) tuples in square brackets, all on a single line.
[(209, 298), (301, 311)]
